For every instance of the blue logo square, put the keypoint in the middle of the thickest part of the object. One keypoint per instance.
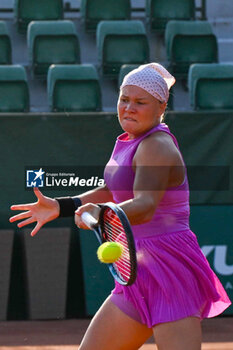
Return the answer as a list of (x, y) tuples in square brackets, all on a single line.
[(35, 178)]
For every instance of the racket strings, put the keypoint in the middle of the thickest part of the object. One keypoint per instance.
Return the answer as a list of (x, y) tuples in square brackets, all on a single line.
[(114, 231)]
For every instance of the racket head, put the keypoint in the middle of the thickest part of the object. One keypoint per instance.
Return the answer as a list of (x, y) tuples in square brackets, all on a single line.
[(115, 227)]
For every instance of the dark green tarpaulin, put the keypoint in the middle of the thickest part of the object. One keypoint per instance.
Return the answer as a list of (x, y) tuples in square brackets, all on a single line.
[(205, 139)]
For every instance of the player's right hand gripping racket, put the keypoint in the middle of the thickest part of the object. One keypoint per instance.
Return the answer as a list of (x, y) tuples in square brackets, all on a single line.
[(113, 226)]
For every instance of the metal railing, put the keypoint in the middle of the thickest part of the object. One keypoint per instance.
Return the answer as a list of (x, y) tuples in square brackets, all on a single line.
[(202, 10)]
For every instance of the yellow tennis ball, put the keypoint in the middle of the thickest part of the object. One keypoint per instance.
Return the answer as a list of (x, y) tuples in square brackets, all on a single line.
[(109, 252)]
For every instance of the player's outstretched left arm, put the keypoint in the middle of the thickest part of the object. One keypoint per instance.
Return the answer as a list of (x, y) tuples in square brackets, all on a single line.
[(47, 209)]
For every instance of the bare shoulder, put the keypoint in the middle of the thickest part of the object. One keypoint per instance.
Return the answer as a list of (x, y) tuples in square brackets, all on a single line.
[(158, 148), (159, 139)]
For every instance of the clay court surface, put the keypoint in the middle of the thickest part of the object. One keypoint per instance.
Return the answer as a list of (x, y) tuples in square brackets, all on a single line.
[(66, 335)]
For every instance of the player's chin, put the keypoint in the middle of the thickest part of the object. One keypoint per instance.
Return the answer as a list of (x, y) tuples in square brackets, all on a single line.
[(130, 127)]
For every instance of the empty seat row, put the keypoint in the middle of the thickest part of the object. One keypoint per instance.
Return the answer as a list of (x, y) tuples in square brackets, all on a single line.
[(54, 42), (158, 12), (70, 88), (118, 43), (76, 88)]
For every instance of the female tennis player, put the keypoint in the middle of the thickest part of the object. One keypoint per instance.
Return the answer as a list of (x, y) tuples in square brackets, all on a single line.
[(175, 287)]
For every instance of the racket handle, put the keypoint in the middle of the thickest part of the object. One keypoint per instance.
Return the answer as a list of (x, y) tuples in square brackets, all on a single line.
[(89, 220)]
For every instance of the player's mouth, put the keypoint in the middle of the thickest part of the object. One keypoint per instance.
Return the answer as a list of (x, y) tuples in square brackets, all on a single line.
[(130, 119)]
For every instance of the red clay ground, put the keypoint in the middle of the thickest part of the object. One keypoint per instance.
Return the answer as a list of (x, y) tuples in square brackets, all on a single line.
[(66, 335)]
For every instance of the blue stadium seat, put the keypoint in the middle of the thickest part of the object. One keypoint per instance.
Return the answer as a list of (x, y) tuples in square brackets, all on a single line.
[(14, 89), (73, 88), (189, 42), (211, 86), (93, 11), (121, 42), (36, 10), (159, 12), (52, 42)]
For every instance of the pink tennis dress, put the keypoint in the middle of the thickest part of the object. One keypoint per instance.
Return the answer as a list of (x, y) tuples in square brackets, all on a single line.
[(174, 279)]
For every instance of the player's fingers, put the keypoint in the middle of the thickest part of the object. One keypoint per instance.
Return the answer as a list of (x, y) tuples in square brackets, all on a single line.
[(37, 193), (26, 222), (79, 211), (36, 229), (77, 219), (21, 206), (92, 209), (83, 226), (84, 208), (21, 216), (80, 223)]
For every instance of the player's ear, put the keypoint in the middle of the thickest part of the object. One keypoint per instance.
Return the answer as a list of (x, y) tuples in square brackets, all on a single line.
[(163, 106), (161, 109)]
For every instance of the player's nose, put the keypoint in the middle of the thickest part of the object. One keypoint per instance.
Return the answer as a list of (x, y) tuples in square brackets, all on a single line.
[(130, 107)]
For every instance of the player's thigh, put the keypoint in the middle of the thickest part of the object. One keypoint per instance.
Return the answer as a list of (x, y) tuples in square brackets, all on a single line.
[(179, 335), (112, 329)]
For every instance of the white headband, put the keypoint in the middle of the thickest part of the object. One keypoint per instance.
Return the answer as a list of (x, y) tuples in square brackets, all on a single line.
[(153, 78)]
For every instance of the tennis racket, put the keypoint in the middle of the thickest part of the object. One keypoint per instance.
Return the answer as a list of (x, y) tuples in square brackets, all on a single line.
[(113, 226)]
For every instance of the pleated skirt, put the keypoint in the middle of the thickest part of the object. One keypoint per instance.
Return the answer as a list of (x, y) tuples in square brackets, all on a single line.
[(174, 281)]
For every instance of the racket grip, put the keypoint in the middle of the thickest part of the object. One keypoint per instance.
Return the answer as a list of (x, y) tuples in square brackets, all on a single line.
[(89, 220)]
